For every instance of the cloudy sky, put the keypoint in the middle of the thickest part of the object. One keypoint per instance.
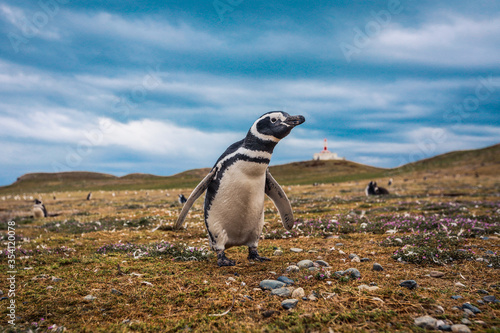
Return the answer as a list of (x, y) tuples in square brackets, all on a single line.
[(163, 86)]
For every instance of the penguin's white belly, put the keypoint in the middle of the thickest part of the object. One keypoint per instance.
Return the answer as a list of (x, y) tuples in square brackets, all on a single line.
[(236, 215)]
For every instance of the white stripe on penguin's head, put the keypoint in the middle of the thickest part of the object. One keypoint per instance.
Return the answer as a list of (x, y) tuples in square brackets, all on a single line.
[(273, 117)]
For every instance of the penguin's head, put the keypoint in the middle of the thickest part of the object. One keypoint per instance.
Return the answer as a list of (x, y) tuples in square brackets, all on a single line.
[(37, 202), (275, 125)]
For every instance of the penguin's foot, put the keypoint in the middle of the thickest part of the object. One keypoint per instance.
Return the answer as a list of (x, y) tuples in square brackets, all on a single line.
[(254, 255), (222, 260)]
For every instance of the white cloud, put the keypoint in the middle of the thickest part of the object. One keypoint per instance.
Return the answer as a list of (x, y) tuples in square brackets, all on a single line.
[(448, 40)]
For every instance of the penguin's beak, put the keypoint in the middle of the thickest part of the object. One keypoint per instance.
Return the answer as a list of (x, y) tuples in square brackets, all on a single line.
[(294, 120)]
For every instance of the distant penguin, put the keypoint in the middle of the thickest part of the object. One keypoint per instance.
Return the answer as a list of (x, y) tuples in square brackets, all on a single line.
[(389, 183), (236, 188), (39, 209), (182, 199), (89, 196), (373, 189)]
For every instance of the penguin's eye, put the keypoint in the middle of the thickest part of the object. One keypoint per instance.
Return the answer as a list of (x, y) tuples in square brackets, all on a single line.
[(273, 120)]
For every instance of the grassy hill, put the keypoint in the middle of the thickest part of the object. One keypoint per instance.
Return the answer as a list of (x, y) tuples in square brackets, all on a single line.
[(484, 161)]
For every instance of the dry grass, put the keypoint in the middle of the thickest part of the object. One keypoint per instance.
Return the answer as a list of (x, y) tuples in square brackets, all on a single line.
[(183, 294)]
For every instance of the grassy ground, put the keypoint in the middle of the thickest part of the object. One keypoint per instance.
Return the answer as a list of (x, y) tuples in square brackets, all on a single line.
[(167, 281)]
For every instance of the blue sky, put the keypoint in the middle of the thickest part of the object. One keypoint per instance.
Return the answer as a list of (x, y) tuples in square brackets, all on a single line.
[(164, 86)]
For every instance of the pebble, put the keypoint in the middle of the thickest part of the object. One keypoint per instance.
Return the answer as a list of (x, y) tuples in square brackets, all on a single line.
[(289, 303), (353, 255), (482, 291), (89, 298), (341, 252), (293, 268), (116, 292), (377, 267), (278, 253), (55, 279), (305, 263), (313, 269), (365, 259), (436, 274), (466, 321), (352, 272), (426, 322), (410, 284), (282, 292), (312, 297), (468, 313), (296, 250), (368, 288), (339, 244), (480, 302), (322, 263), (445, 327), (298, 293), (271, 284), (355, 259), (490, 299), (460, 328), (471, 307), (231, 279), (285, 280), (456, 297)]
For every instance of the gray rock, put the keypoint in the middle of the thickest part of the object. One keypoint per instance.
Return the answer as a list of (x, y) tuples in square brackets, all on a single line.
[(480, 302), (410, 284), (446, 328), (426, 322), (482, 291), (460, 328), (292, 268), (322, 263), (271, 284), (339, 273), (377, 267), (282, 292), (365, 259), (468, 313), (456, 297), (339, 244), (296, 250), (352, 272), (305, 264), (116, 292), (471, 307), (285, 280), (466, 321), (89, 298), (490, 299), (289, 303), (353, 255), (55, 279)]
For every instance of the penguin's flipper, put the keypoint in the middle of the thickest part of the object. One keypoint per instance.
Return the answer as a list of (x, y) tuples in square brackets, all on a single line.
[(202, 186), (276, 193)]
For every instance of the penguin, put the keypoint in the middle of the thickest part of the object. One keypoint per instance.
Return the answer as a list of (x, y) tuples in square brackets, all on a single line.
[(39, 209), (182, 199), (373, 189), (236, 187), (89, 196), (389, 183)]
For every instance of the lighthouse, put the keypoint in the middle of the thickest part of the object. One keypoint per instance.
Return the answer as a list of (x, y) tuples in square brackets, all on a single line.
[(325, 154)]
